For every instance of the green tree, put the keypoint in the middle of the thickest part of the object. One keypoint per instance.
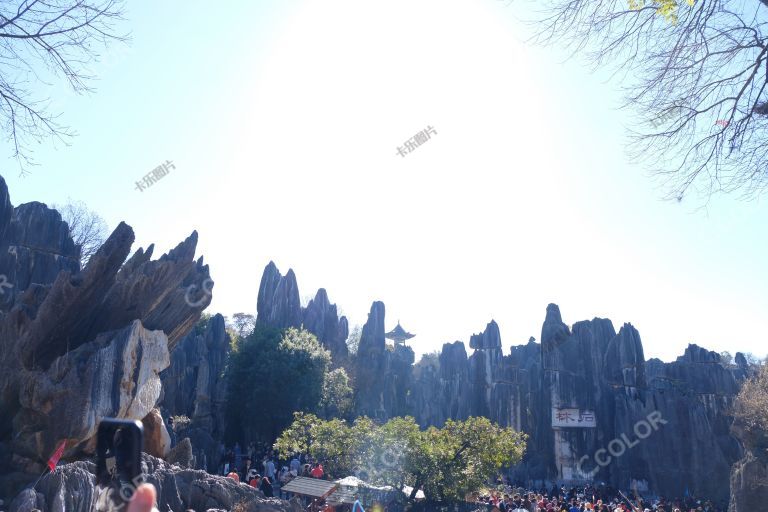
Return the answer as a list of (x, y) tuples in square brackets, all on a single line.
[(270, 375), (202, 324), (336, 401), (353, 340), (243, 324), (446, 463)]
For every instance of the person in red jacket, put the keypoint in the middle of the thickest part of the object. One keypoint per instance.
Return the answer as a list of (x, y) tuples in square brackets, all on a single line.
[(317, 471)]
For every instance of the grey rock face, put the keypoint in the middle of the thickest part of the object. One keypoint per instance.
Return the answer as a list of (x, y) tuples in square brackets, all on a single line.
[(78, 345), (194, 386), (749, 484), (35, 246), (279, 306), (116, 375), (384, 375), (591, 367), (321, 318)]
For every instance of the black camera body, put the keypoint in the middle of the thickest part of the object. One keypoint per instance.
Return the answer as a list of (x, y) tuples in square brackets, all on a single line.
[(118, 449)]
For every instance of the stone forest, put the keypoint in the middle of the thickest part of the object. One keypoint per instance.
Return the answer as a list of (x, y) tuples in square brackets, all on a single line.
[(119, 338)]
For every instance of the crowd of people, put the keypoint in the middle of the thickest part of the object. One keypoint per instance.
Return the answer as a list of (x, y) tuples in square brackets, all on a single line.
[(257, 466), (260, 467), (588, 499)]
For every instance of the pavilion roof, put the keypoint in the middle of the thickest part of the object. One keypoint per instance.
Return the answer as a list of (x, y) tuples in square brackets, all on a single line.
[(399, 334)]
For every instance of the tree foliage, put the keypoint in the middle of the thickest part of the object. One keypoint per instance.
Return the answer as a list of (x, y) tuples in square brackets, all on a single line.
[(270, 375), (665, 8), (751, 412), (447, 463), (243, 324), (336, 401), (86, 228), (41, 39), (353, 340), (705, 61)]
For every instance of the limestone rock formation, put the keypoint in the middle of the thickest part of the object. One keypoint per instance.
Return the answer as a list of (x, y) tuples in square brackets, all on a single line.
[(116, 375), (321, 318), (383, 375), (194, 386), (591, 368), (78, 345), (71, 488), (749, 484), (279, 306), (749, 476)]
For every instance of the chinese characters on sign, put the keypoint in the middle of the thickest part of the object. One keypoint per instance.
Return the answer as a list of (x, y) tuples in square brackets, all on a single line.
[(416, 141), (573, 418), (157, 173)]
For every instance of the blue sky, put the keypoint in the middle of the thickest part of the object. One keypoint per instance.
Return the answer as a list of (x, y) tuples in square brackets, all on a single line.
[(283, 119)]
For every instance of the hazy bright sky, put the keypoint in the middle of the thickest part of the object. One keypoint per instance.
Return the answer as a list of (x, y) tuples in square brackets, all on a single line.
[(283, 119)]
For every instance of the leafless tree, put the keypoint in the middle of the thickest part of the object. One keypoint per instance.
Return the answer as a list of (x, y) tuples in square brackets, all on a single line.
[(86, 227), (750, 411), (42, 40), (708, 62)]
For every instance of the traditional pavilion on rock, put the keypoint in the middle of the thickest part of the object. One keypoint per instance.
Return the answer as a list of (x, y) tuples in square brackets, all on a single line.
[(399, 335)]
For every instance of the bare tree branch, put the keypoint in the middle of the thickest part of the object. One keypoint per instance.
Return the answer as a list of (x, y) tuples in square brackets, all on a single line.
[(708, 61), (60, 38), (86, 228)]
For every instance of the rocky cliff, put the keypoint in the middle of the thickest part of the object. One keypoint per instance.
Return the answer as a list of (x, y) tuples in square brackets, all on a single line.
[(382, 373), (78, 344), (279, 306), (194, 386), (660, 426), (629, 422), (749, 476)]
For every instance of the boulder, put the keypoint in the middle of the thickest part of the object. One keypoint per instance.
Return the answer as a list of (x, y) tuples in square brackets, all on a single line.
[(181, 454), (157, 441), (116, 375), (72, 488)]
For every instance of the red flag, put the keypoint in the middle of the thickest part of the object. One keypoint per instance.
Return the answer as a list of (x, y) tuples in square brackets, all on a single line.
[(56, 455)]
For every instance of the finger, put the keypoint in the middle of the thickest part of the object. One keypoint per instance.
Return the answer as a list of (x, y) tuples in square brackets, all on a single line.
[(143, 499)]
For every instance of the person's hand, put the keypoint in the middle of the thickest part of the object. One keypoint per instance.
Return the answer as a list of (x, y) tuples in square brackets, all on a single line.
[(143, 499)]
